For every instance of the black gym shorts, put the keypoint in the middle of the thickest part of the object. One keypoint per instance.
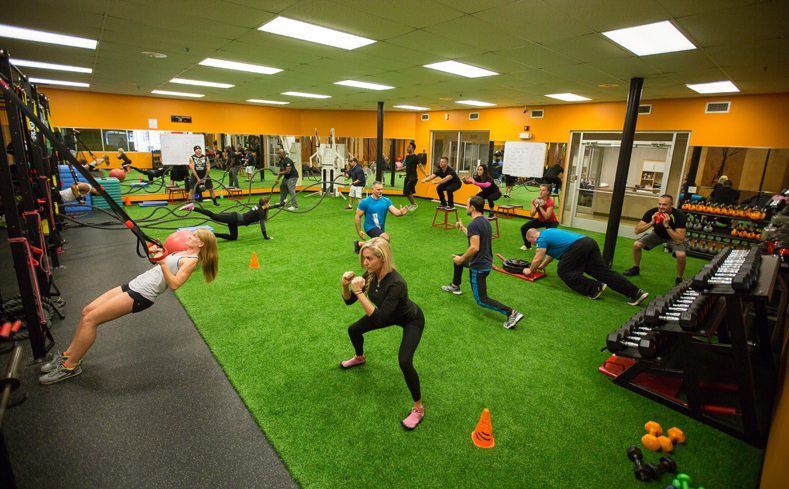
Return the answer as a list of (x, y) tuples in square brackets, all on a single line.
[(409, 185), (140, 302), (207, 182), (374, 232)]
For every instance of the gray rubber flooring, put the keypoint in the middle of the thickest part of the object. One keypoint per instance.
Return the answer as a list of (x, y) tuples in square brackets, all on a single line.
[(152, 408)]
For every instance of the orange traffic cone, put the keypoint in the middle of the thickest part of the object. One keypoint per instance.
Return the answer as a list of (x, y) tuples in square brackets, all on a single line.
[(482, 436), (127, 201), (253, 263)]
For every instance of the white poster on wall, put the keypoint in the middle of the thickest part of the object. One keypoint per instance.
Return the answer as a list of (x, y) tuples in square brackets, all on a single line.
[(524, 159), (178, 148)]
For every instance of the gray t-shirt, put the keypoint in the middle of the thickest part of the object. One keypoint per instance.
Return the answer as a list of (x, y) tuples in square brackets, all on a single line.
[(480, 226)]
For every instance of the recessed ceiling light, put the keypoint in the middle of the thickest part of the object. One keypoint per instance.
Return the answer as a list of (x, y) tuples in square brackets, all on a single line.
[(314, 33), (154, 54), (272, 102), (185, 81), (475, 103), (45, 81), (177, 94), (50, 66), (657, 38), (568, 97), (235, 65), (48, 37), (714, 87), (305, 95), (411, 107), (358, 84), (608, 85), (461, 69)]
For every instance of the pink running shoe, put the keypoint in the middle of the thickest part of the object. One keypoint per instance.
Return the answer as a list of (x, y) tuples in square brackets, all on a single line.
[(188, 207), (413, 419), (352, 362)]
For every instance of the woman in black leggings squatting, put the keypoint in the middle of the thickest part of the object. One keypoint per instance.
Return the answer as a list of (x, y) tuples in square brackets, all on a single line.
[(258, 213), (488, 189), (383, 294)]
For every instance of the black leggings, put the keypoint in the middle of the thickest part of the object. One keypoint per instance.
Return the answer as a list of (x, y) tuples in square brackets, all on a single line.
[(479, 286), (412, 333), (232, 219), (534, 224), (151, 174), (450, 189), (491, 197)]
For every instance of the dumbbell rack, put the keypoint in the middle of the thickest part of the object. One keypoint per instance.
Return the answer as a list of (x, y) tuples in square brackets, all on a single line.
[(691, 359)]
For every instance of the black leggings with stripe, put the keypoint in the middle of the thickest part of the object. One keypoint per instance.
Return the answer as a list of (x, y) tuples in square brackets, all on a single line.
[(232, 220)]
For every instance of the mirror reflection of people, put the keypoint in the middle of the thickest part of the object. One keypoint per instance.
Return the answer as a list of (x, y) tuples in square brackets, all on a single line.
[(725, 194), (358, 180), (411, 177), (497, 166), (290, 177), (126, 162), (200, 168), (553, 176)]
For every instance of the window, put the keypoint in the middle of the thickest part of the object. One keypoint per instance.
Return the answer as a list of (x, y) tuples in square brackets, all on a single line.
[(115, 138)]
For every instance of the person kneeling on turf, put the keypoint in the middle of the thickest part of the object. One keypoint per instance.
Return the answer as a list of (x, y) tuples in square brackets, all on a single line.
[(374, 209), (579, 255), (668, 226), (383, 294), (478, 258)]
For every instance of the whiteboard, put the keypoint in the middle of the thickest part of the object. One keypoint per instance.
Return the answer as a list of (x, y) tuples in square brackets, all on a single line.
[(178, 148), (524, 159)]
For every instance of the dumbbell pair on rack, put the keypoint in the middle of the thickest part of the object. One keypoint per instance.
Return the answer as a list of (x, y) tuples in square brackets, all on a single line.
[(685, 308)]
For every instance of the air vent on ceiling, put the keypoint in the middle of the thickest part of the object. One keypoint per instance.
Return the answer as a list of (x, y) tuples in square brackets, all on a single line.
[(717, 108), (425, 117), (473, 116), (537, 114), (645, 109)]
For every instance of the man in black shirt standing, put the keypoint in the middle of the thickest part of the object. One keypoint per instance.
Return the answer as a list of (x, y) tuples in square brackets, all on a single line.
[(358, 180), (668, 226), (552, 177), (290, 176), (200, 168), (479, 260), (411, 177), (448, 181)]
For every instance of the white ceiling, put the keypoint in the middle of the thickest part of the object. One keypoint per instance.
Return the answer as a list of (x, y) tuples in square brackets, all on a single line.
[(538, 46)]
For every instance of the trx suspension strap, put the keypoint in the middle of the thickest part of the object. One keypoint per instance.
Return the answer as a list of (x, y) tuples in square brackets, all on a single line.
[(144, 242)]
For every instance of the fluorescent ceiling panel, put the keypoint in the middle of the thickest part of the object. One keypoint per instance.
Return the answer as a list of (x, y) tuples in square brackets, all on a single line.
[(411, 107), (714, 87), (475, 103), (272, 102), (314, 33), (235, 65), (305, 95), (48, 37), (185, 81), (45, 81), (568, 97), (49, 66), (657, 38), (359, 84), (177, 94), (461, 69)]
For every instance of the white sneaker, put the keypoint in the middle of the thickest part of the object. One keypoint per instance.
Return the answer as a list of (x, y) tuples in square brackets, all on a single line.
[(452, 288), (524, 248), (412, 207), (291, 208)]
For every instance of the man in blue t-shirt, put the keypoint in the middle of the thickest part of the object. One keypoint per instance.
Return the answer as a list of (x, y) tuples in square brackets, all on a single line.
[(478, 257), (579, 255), (374, 209)]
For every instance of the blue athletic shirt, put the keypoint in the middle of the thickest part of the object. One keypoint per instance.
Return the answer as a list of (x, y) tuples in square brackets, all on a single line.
[(556, 241), (374, 212)]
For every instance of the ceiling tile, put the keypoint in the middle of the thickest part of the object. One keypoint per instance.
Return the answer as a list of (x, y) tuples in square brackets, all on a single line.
[(413, 13), (761, 21), (471, 30), (334, 15), (606, 15), (534, 20), (442, 47)]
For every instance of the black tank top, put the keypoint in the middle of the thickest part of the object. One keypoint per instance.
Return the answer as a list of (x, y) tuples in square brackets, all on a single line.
[(200, 162)]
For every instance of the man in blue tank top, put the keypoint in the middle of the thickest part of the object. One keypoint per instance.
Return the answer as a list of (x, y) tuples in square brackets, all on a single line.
[(374, 209)]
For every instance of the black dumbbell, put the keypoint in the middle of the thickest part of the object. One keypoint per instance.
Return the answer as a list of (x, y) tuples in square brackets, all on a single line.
[(643, 472), (666, 464)]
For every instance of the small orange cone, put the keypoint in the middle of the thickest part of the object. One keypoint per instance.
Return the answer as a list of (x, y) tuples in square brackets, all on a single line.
[(253, 263), (482, 436), (127, 201)]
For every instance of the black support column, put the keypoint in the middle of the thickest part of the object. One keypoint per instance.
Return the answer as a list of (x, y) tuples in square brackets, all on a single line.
[(379, 156), (622, 166)]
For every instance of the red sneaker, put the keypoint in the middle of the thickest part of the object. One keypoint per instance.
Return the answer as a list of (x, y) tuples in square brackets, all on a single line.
[(413, 419), (352, 362)]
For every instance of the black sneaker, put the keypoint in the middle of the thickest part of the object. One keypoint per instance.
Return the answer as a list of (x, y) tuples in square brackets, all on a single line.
[(640, 297), (599, 292), (631, 272), (356, 247), (677, 280)]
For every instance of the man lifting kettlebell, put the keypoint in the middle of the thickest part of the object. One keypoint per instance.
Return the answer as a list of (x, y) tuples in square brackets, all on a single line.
[(668, 226)]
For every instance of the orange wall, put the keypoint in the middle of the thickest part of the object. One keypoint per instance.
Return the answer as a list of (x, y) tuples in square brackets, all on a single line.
[(71, 108)]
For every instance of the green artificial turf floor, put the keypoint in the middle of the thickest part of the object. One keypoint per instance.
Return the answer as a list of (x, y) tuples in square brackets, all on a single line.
[(279, 332)]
